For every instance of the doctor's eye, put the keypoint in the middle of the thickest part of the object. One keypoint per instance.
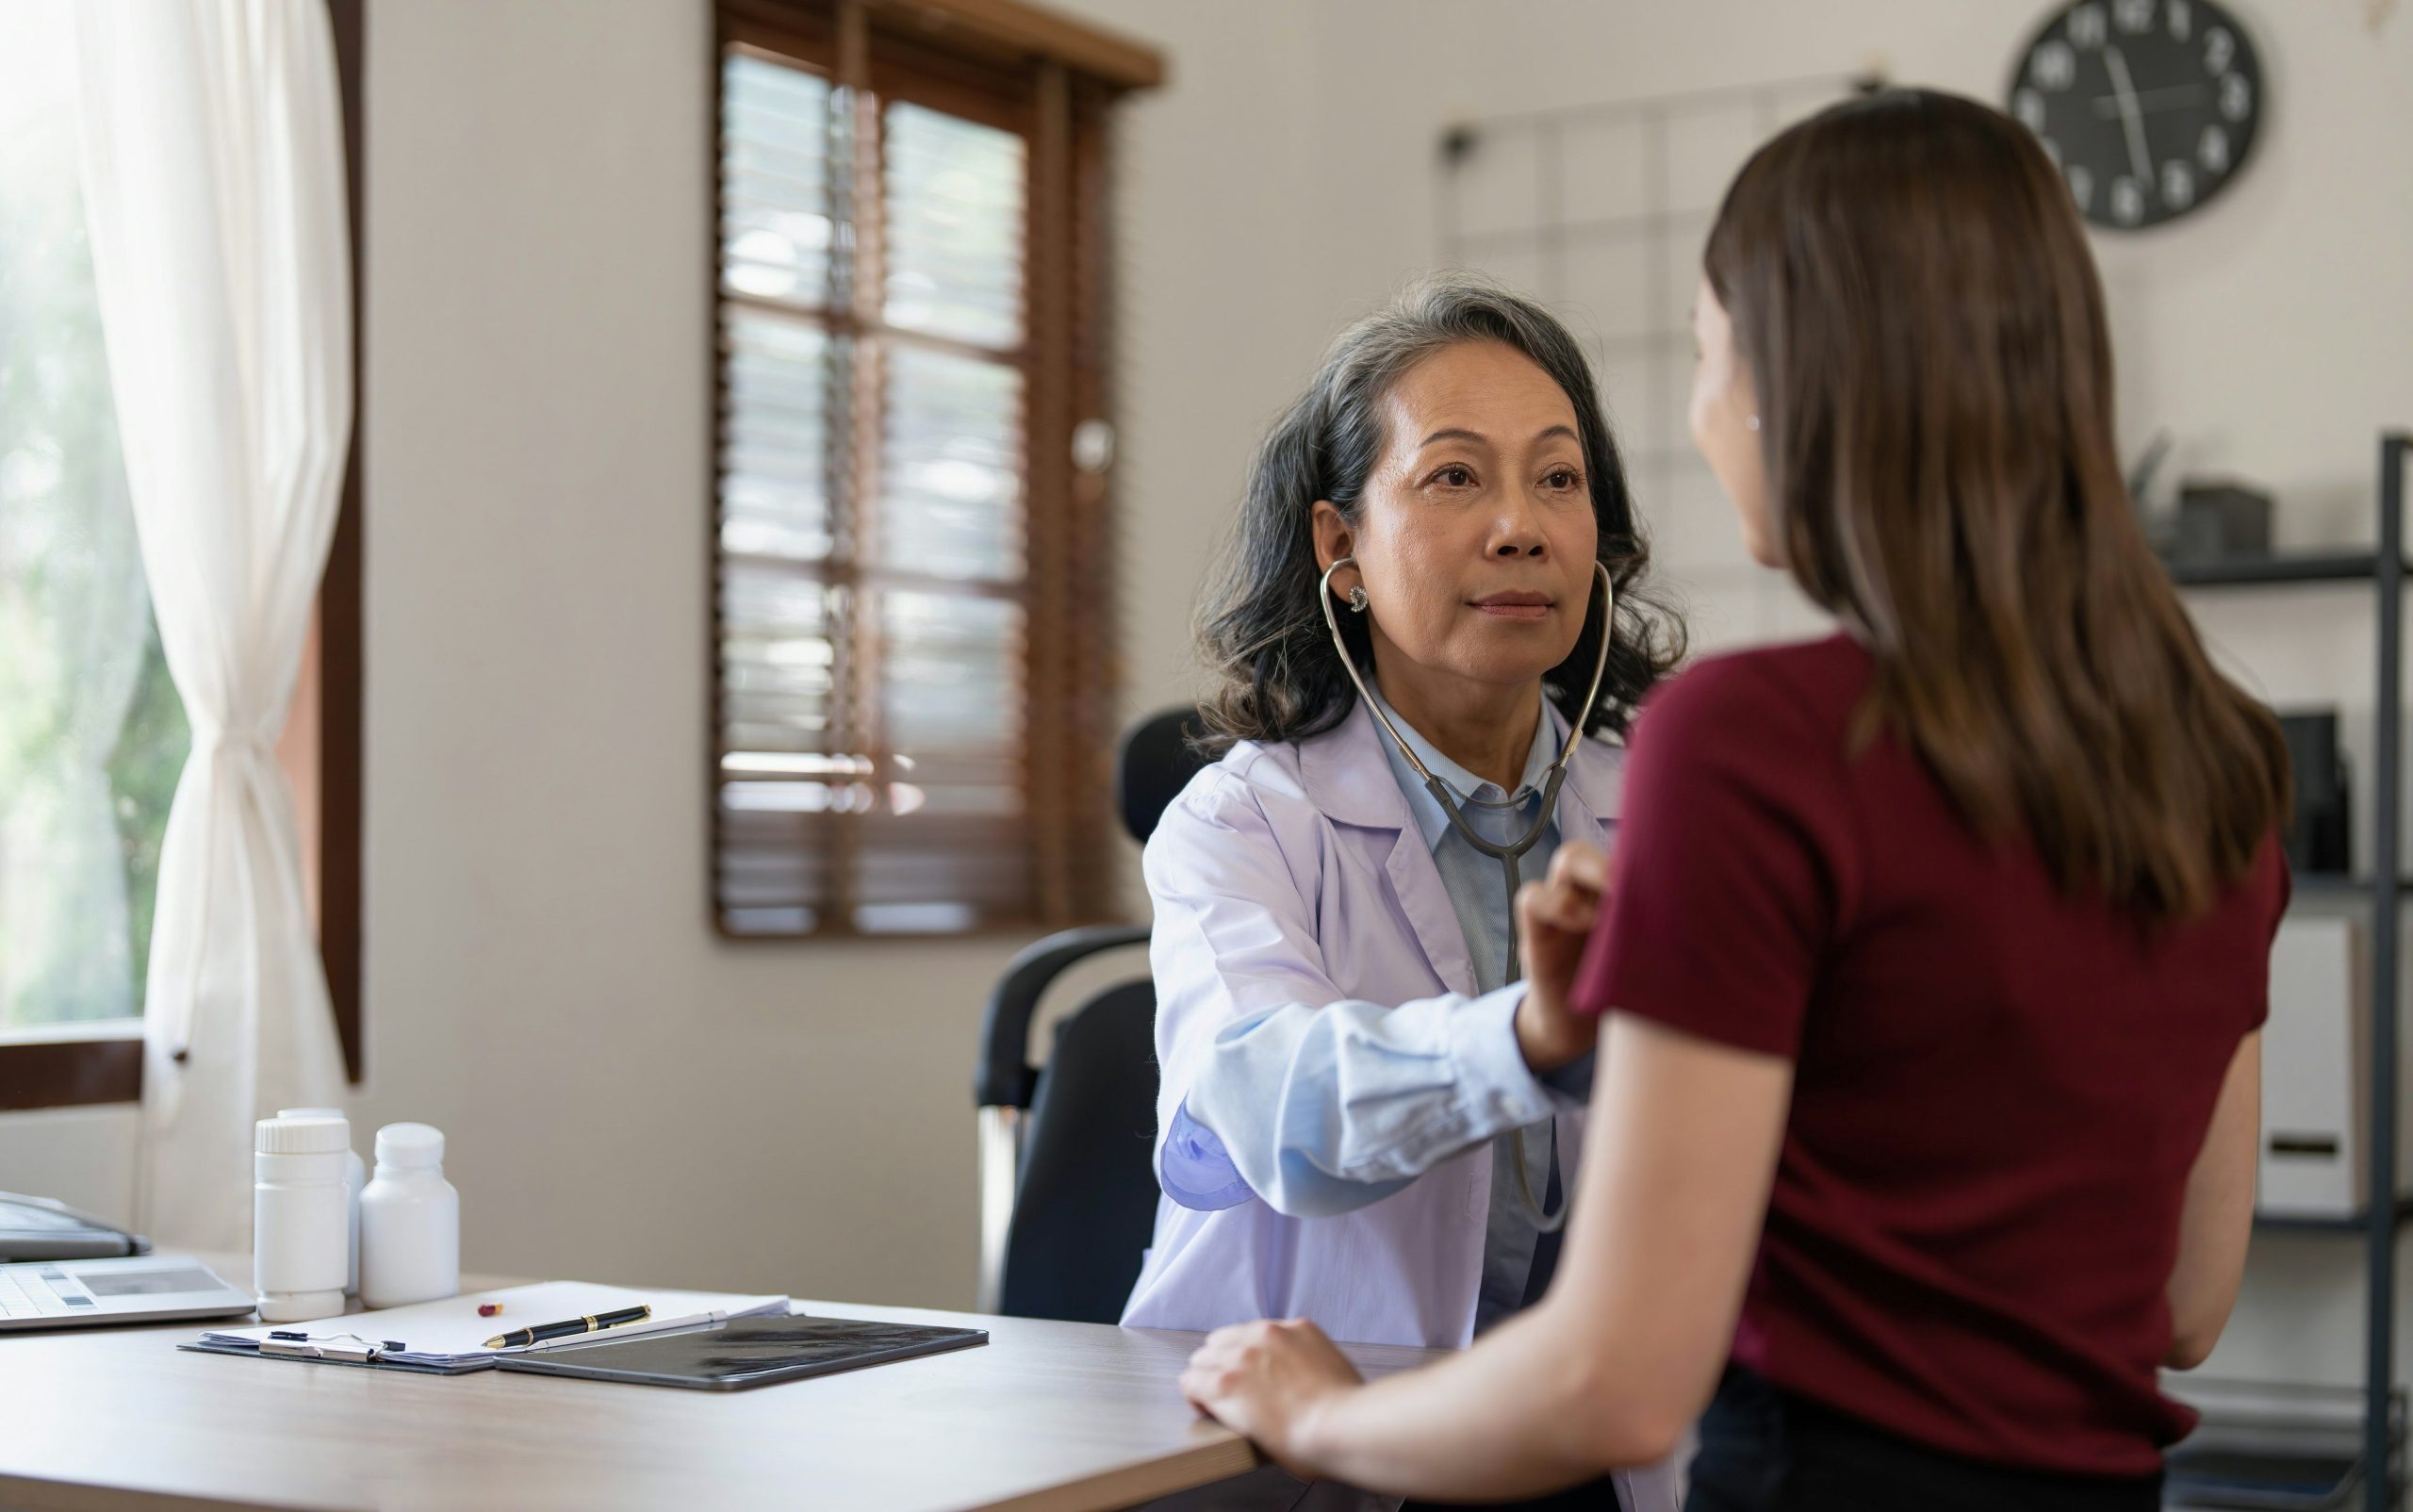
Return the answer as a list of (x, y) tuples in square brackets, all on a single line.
[(1565, 480), (1454, 475)]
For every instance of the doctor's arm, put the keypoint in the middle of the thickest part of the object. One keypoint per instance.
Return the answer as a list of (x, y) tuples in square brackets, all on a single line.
[(1278, 1085)]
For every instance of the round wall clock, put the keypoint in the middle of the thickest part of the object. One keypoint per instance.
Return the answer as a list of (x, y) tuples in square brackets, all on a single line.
[(2148, 106)]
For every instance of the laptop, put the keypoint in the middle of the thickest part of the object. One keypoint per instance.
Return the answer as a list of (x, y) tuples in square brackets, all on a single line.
[(145, 1289)]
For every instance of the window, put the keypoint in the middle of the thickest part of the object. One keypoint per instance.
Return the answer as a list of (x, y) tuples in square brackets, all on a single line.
[(911, 672), (93, 733)]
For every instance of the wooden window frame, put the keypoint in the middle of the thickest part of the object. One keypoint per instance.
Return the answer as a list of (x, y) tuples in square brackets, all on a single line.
[(320, 749), (1053, 82)]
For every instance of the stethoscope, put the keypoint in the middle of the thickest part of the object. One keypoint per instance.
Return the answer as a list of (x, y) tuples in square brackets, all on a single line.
[(1510, 854)]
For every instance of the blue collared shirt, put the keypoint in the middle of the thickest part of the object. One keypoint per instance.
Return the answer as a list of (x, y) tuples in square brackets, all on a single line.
[(1476, 885), (1353, 1098)]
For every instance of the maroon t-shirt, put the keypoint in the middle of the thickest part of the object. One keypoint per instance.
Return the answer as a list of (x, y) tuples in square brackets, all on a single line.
[(1999, 1089)]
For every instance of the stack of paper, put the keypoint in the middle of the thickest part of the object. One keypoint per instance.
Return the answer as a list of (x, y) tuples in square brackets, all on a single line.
[(449, 1336)]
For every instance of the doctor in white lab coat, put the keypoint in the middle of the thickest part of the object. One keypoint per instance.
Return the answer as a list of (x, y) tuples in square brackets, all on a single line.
[(1360, 1122)]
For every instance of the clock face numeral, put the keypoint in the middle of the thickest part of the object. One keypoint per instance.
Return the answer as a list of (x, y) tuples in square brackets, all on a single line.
[(2127, 200), (2236, 97), (2148, 108), (2054, 67), (2177, 184)]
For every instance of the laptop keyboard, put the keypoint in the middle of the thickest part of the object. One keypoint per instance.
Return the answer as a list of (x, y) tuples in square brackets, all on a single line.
[(37, 1291), (52, 1293)]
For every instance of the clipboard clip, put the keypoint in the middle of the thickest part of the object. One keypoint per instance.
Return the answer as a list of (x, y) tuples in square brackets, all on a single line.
[(350, 1348)]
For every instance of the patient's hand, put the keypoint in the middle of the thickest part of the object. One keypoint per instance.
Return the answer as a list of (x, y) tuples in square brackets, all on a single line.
[(1555, 919)]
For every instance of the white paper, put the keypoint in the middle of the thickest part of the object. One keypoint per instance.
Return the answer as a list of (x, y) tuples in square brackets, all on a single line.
[(450, 1332)]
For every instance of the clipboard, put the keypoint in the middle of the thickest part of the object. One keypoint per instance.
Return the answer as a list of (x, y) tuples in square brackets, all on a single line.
[(448, 1336)]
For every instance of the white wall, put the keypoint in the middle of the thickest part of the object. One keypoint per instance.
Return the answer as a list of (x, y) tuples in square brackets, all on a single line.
[(629, 1097), (625, 1094)]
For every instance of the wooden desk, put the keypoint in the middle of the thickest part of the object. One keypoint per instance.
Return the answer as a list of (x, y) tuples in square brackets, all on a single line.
[(1048, 1416)]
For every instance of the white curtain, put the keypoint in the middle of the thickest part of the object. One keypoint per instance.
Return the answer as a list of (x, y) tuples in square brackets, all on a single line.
[(214, 192)]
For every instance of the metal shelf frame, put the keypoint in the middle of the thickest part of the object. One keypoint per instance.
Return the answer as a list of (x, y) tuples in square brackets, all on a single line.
[(2384, 1212)]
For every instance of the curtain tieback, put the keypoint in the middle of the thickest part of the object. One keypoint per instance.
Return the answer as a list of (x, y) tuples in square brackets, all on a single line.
[(231, 742)]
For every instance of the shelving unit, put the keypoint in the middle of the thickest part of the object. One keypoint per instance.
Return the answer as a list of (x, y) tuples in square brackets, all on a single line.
[(2349, 1223), (2382, 571), (2343, 567)]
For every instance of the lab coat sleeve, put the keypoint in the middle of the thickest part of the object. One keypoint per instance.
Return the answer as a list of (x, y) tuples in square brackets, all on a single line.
[(1275, 1084)]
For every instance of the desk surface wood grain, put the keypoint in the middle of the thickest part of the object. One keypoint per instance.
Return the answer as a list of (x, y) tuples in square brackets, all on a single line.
[(1047, 1417)]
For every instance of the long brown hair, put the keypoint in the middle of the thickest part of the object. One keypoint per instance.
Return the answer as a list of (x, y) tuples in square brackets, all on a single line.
[(1911, 288)]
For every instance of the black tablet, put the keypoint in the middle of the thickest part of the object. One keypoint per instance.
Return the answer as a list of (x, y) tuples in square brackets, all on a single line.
[(744, 1352)]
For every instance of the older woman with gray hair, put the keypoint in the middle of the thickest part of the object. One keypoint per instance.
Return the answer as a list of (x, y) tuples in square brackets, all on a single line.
[(1428, 610)]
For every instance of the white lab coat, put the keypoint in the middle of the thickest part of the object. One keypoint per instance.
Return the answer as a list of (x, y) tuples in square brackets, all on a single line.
[(1295, 872)]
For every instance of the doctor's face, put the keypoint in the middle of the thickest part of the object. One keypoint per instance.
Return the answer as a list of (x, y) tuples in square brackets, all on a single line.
[(1475, 532)]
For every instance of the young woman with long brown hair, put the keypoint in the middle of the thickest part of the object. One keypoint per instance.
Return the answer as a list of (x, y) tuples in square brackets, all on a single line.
[(1931, 981)]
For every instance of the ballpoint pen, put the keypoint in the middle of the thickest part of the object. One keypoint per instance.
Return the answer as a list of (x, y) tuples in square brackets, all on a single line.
[(537, 1332)]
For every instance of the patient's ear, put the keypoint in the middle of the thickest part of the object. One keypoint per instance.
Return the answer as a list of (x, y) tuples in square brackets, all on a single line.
[(1334, 538)]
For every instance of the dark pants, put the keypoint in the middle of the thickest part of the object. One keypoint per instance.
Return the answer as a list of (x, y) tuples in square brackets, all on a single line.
[(1593, 1496), (1764, 1450)]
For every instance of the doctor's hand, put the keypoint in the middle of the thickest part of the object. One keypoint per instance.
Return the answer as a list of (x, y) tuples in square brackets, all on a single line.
[(1555, 920), (1268, 1380)]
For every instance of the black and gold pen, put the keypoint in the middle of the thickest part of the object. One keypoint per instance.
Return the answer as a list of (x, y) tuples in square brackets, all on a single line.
[(537, 1332)]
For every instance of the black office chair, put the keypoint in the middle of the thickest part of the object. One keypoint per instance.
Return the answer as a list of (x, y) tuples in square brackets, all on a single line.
[(1068, 1193)]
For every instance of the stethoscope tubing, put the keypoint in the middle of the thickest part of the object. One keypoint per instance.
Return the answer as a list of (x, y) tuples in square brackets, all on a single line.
[(1508, 855)]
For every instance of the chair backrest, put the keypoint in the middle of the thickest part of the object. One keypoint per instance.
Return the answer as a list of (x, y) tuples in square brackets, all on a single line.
[(1086, 1201), (1084, 1190), (1154, 763)]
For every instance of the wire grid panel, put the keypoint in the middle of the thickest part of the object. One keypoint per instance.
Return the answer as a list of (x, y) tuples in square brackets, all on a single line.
[(1601, 212)]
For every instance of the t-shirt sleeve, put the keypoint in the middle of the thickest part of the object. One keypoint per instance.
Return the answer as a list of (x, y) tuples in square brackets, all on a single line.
[(1732, 847)]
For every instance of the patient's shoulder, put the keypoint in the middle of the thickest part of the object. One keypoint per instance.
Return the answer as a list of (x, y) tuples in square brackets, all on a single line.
[(1769, 693)]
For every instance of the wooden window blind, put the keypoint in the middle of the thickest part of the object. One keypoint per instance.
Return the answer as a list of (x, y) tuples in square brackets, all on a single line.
[(912, 671)]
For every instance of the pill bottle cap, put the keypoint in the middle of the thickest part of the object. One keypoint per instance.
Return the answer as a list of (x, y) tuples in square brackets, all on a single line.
[(287, 1134), (411, 1148)]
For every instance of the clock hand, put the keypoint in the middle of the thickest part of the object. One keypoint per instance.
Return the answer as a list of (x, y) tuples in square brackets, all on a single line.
[(2129, 117), (2149, 100)]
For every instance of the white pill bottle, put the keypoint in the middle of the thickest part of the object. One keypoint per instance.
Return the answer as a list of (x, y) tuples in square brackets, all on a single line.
[(410, 1221), (356, 1176), (301, 1217)]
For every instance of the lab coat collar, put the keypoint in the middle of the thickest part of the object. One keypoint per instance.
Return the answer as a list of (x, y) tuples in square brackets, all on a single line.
[(1347, 777)]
